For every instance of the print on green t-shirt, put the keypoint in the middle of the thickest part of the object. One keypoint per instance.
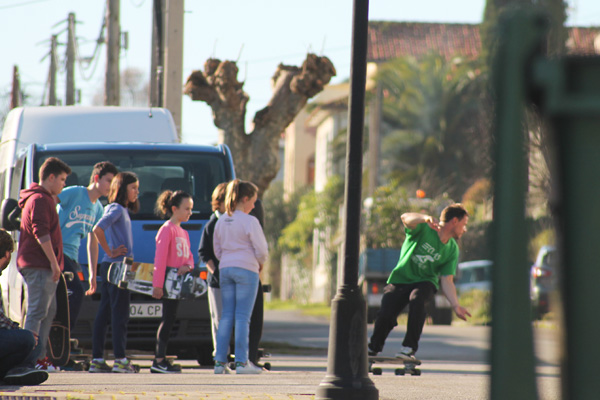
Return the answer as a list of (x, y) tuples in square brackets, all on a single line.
[(424, 257)]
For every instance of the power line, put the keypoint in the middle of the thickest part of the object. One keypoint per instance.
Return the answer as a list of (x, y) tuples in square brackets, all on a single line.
[(20, 4)]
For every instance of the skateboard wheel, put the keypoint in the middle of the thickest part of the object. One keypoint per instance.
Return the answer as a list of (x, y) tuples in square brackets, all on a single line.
[(267, 366), (232, 366), (416, 372), (377, 371), (399, 371)]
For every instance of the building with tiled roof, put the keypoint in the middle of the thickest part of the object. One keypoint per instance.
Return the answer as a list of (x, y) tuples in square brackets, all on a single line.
[(389, 40)]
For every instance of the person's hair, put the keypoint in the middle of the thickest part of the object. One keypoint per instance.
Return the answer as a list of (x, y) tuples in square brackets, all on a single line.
[(6, 243), (102, 168), (218, 196), (118, 190), (53, 166), (237, 190), (453, 210), (168, 199)]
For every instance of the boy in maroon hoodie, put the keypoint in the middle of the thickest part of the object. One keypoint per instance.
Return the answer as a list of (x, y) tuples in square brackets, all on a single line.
[(40, 255)]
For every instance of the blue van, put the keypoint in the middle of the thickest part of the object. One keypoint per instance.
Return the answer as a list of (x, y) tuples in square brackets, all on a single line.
[(193, 168)]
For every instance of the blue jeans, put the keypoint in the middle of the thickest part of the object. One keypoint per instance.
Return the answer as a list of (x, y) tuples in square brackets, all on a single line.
[(113, 309), (41, 308), (17, 344), (238, 293)]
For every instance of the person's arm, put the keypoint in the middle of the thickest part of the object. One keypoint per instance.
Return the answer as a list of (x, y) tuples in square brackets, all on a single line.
[(259, 243), (46, 244), (449, 290), (112, 253), (412, 219), (163, 241), (92, 251)]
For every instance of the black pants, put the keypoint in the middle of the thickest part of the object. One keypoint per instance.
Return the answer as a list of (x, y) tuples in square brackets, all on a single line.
[(75, 291), (395, 298), (256, 325), (169, 314)]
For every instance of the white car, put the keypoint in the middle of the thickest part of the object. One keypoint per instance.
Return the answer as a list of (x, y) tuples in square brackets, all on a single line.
[(474, 275)]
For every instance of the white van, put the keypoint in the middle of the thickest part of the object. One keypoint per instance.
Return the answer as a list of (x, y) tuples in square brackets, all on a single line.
[(43, 125)]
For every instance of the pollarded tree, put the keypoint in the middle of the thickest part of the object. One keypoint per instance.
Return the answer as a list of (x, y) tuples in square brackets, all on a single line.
[(256, 153)]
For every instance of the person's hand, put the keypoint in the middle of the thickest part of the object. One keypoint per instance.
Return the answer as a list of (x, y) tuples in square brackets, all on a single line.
[(157, 293), (35, 337), (119, 251), (461, 312), (92, 289), (433, 223), (184, 269), (55, 271)]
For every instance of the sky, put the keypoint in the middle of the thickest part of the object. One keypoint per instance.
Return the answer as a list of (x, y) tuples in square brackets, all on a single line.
[(259, 34)]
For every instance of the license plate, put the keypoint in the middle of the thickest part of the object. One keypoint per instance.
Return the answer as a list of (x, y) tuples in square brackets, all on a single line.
[(145, 310)]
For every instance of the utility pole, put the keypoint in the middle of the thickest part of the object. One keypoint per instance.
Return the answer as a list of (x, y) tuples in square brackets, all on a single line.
[(113, 48), (52, 89), (173, 57), (70, 97), (157, 59), (347, 371), (15, 95)]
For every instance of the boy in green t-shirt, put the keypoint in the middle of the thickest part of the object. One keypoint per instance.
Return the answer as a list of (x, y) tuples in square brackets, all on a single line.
[(429, 255)]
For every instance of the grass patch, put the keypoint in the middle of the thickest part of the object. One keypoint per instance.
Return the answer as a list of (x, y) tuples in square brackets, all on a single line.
[(312, 309), (478, 302)]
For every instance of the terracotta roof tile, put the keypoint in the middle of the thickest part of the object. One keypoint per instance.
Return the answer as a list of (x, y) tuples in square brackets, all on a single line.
[(389, 40)]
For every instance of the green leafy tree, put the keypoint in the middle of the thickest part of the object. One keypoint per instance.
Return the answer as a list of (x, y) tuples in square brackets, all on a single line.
[(435, 123)]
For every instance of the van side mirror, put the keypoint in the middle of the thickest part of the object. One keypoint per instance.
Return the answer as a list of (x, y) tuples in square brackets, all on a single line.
[(10, 214)]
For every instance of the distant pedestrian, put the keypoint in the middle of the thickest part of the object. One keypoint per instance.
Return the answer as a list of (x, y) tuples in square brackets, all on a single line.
[(40, 255), (172, 251), (114, 234), (207, 255), (17, 343), (429, 255), (79, 209), (241, 247)]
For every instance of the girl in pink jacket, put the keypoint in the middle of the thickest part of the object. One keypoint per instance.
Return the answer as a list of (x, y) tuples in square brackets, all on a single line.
[(172, 251)]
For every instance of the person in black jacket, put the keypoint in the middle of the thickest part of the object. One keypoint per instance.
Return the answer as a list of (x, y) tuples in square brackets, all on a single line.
[(207, 255)]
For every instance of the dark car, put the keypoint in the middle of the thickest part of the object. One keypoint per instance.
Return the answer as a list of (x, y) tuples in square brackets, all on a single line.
[(543, 280)]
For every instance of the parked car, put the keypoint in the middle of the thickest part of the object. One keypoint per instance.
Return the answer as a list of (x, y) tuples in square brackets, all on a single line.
[(472, 275), (543, 280)]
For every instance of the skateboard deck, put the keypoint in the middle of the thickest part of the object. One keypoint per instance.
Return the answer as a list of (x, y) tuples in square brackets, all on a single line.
[(59, 339), (137, 277), (410, 365)]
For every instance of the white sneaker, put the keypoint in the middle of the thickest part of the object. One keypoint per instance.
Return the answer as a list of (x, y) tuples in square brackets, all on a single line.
[(221, 368), (406, 352), (247, 368)]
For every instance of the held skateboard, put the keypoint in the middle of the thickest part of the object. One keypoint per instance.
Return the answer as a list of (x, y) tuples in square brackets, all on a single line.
[(59, 339), (410, 365), (137, 277)]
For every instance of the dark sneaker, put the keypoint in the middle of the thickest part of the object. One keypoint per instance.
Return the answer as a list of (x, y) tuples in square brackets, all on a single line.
[(99, 366), (23, 376), (372, 353), (124, 367), (165, 367)]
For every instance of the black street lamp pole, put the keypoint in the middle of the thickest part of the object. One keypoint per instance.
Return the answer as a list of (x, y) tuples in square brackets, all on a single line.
[(347, 371)]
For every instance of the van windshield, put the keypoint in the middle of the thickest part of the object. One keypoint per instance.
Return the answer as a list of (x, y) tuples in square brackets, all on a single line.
[(195, 173)]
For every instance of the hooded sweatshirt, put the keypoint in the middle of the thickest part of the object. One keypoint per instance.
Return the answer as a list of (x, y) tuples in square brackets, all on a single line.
[(39, 221)]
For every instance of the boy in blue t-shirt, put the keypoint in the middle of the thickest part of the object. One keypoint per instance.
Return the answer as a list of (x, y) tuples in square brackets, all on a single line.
[(78, 211)]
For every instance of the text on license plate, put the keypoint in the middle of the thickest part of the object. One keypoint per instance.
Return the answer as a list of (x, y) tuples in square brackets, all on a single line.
[(145, 310)]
